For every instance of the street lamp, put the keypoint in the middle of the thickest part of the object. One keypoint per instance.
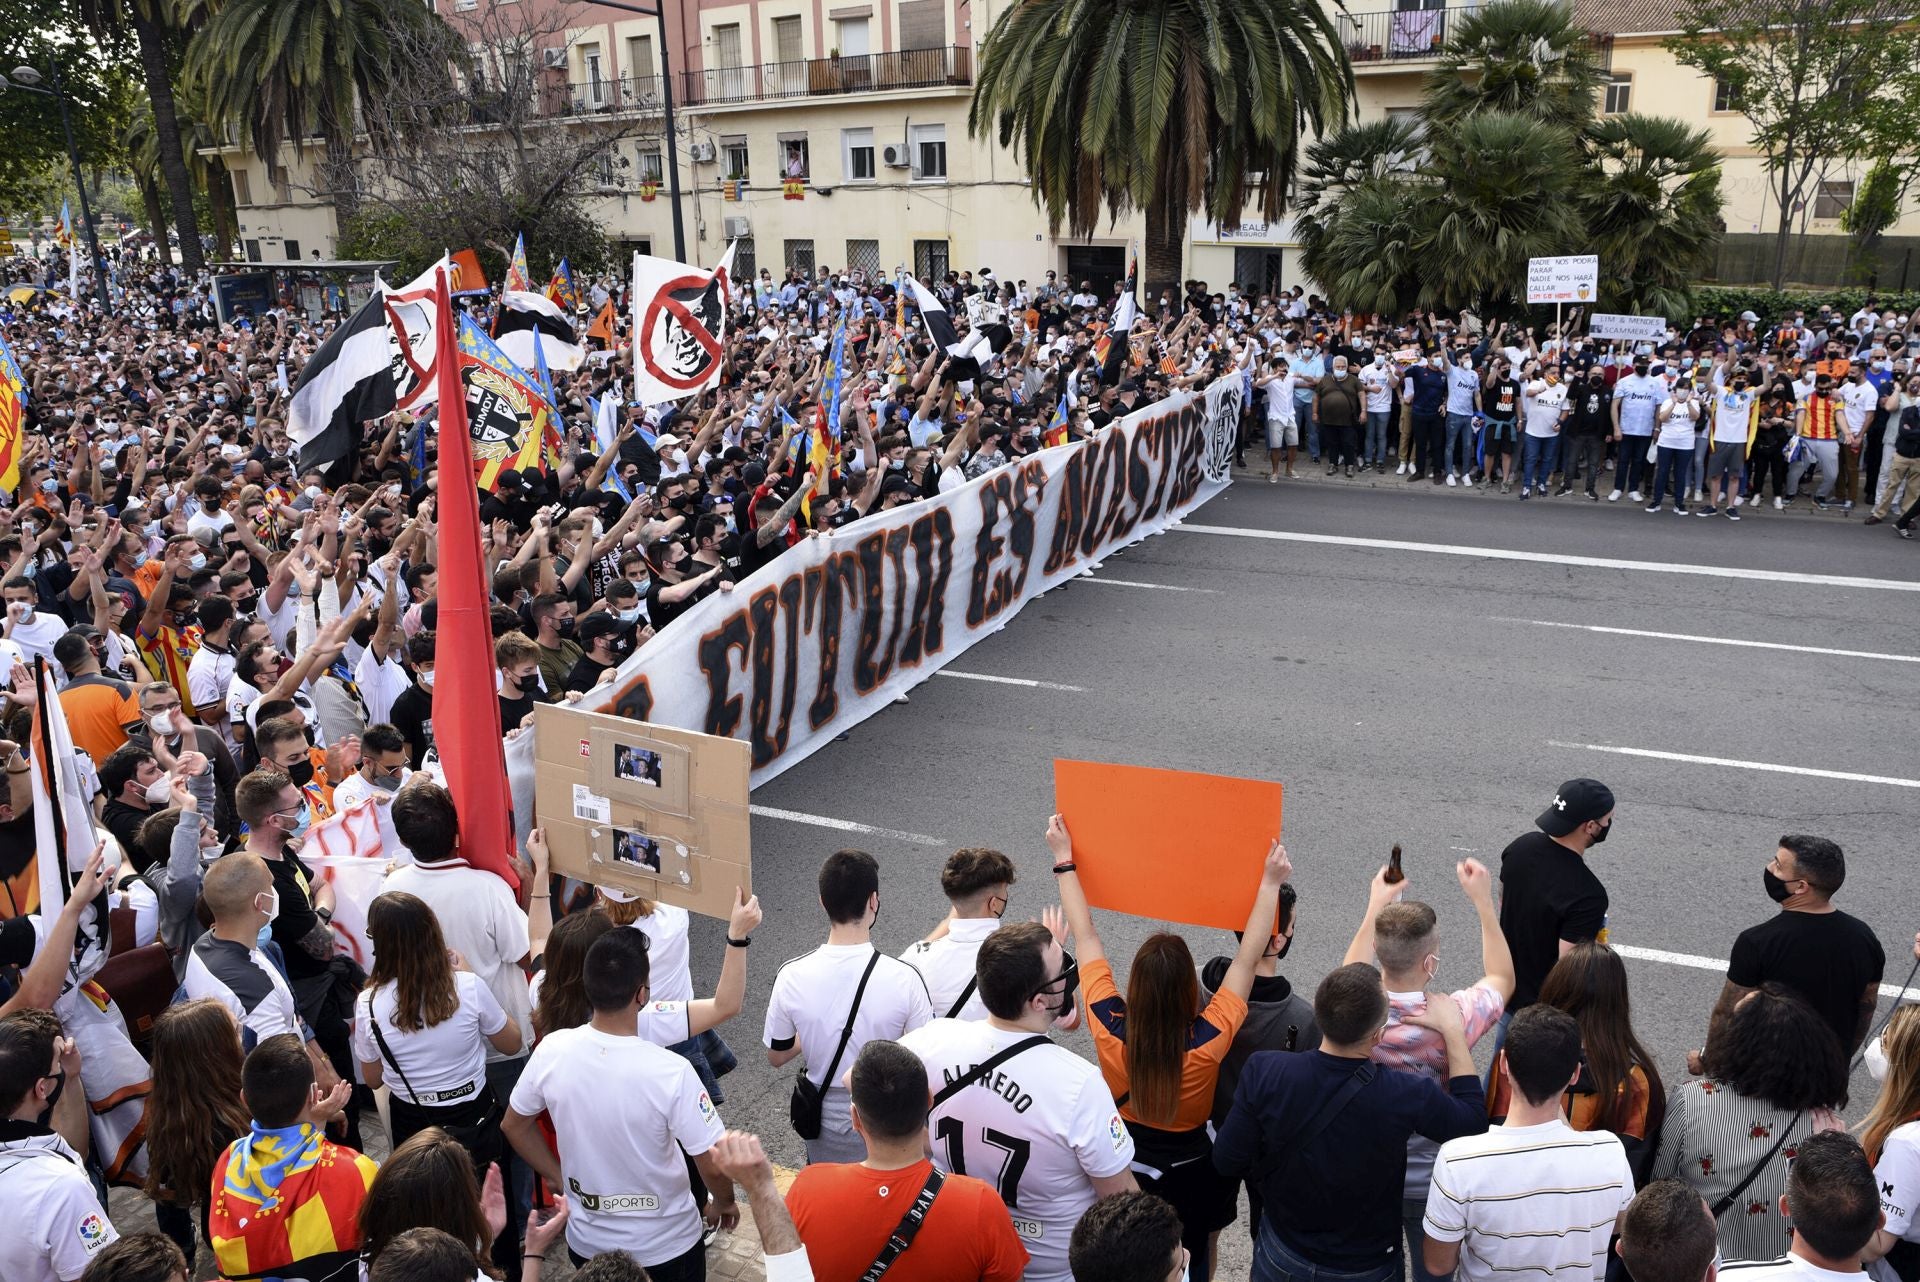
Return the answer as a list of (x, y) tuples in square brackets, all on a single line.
[(659, 14), (28, 79)]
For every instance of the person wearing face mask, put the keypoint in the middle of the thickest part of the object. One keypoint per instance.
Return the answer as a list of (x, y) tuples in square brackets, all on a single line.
[(554, 624), (412, 713), (57, 1224), (977, 883), (1636, 403), (284, 746), (1828, 957), (518, 661), (1403, 937), (100, 710), (1425, 390), (1376, 380), (677, 584), (1679, 419), (134, 786), (1859, 399), (226, 963), (178, 845), (1160, 1050), (382, 769), (601, 634), (1730, 437), (1338, 409), (1550, 899), (1308, 367)]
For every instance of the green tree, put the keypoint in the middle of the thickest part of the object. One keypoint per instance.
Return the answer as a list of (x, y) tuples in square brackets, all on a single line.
[(1650, 196), (1362, 211), (283, 70), (99, 92), (1172, 107), (1522, 56), (1820, 81)]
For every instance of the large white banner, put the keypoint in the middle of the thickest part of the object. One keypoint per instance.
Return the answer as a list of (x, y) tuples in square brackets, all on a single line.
[(831, 632), (679, 326)]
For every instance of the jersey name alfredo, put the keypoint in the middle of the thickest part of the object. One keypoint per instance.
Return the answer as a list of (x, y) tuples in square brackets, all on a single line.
[(996, 1082)]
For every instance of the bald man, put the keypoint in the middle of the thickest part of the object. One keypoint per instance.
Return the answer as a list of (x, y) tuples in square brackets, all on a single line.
[(226, 963)]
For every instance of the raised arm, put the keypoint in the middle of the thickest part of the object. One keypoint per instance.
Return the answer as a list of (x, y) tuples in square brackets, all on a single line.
[(1496, 958), (1260, 919), (1073, 900), (1380, 893), (730, 994)]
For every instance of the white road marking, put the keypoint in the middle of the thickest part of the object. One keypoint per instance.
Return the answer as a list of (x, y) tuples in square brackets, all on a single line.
[(1555, 558), (1010, 681), (1697, 962), (1846, 776), (845, 825), (1752, 645), (1157, 587)]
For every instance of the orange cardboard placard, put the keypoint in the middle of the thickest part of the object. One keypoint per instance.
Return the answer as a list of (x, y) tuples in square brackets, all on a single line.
[(1168, 844)]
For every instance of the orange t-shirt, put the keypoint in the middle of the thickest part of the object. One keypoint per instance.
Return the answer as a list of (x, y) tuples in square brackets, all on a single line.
[(845, 1213), (1581, 1107), (1208, 1039), (99, 710)]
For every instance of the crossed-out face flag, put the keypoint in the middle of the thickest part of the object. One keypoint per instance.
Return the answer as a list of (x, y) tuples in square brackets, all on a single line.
[(523, 316), (970, 354), (507, 413), (679, 326), (13, 414), (517, 274)]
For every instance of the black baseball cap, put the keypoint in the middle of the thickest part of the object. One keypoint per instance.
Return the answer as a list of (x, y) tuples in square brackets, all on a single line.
[(1578, 801)]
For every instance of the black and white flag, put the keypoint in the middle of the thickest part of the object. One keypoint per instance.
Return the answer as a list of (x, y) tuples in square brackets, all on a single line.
[(346, 383), (522, 313), (970, 354)]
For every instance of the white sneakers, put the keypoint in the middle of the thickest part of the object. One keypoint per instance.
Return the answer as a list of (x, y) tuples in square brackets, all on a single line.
[(1636, 496), (1466, 479), (1452, 479), (1402, 469), (1614, 497), (1778, 506)]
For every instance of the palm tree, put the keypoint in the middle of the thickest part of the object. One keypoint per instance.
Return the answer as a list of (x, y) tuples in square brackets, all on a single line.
[(1525, 56), (283, 70), (142, 145), (143, 159), (1650, 195), (1173, 107), (1503, 195), (156, 26)]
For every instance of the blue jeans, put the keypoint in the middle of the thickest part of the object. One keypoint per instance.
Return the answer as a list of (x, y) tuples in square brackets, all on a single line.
[(1376, 450), (1536, 463), (1675, 466), (1310, 426), (1630, 473), (1273, 1261), (1460, 437)]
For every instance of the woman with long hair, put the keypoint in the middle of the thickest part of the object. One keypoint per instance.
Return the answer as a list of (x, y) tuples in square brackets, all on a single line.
[(1773, 1077), (194, 1112), (1891, 1136), (559, 990), (428, 1182), (1160, 1048), (1619, 1088), (422, 1028)]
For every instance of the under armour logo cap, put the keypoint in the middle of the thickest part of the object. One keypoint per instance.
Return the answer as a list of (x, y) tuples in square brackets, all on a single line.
[(1578, 801)]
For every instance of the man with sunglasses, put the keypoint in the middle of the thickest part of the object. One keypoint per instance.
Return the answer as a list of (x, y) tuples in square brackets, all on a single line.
[(1040, 1124)]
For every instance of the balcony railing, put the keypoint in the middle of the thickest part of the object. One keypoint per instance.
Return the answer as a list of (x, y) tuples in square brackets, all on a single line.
[(814, 77), (1383, 40), (601, 97)]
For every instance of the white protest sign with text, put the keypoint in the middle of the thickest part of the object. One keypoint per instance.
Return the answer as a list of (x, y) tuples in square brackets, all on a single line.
[(1571, 278), (1637, 329)]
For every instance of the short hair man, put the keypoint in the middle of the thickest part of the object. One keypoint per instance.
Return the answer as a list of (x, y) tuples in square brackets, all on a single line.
[(1047, 1101), (976, 882), (127, 781), (382, 768), (626, 1175), (1550, 899), (1480, 1215), (846, 1211), (226, 964), (1128, 1237), (286, 1164), (1834, 1202), (55, 1224), (143, 1257), (845, 983), (1668, 1235)]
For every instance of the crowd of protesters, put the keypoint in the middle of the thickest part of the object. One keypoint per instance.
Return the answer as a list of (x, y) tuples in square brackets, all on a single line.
[(243, 648)]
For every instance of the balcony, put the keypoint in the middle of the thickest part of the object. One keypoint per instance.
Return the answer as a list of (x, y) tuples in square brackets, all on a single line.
[(602, 97), (827, 77), (1411, 40)]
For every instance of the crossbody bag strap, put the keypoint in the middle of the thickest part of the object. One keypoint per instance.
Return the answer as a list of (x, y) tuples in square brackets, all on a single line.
[(908, 1228), (1733, 1196), (1306, 1135), (980, 1070), (386, 1053), (953, 1011), (847, 1032)]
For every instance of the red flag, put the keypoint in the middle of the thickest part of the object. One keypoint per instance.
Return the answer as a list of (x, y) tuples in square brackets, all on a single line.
[(466, 722)]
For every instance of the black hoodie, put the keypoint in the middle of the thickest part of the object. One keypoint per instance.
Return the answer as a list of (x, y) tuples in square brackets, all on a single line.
[(1278, 1019)]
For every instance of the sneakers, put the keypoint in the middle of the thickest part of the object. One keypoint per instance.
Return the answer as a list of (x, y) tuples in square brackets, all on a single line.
[(1402, 469), (1679, 510), (1593, 496), (1904, 531), (1709, 511), (1871, 520), (1821, 504), (1652, 508), (1565, 489), (1467, 480), (1452, 480), (1416, 476), (1614, 497), (1636, 496), (1779, 504), (1753, 500), (1847, 506), (1525, 493), (1506, 487), (1733, 513), (1332, 468)]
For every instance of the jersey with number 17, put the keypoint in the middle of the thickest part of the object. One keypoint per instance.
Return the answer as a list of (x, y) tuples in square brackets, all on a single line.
[(1040, 1128)]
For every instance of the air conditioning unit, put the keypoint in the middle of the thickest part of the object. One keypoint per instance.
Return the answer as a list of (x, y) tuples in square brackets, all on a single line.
[(737, 228), (553, 57), (702, 153), (896, 155)]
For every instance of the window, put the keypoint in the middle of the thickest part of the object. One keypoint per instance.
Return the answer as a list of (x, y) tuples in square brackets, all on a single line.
[(1726, 97), (930, 259), (1619, 94), (929, 144), (743, 264), (640, 56), (293, 247), (864, 256), (730, 81), (733, 157), (795, 163), (253, 251), (651, 166), (1832, 199), (786, 40), (603, 168), (799, 257), (281, 192), (850, 37), (923, 24), (593, 68), (856, 155), (242, 189)]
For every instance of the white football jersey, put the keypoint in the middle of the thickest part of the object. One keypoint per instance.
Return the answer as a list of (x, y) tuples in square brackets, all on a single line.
[(1040, 1128), (622, 1109), (947, 964)]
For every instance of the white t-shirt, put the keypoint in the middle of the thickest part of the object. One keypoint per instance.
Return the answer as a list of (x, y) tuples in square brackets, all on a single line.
[(35, 635), (1054, 1126), (1377, 382), (208, 677), (1860, 400), (203, 521), (1898, 1174), (620, 1148), (1732, 413), (448, 1058), (55, 1224), (1280, 399), (662, 1023), (481, 921), (1480, 1198), (669, 968), (1790, 1268), (947, 965), (1542, 404), (811, 998), (1681, 424)]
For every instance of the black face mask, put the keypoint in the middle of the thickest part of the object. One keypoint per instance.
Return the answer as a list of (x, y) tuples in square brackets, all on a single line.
[(59, 1085), (1601, 836), (565, 627), (301, 772), (1776, 889)]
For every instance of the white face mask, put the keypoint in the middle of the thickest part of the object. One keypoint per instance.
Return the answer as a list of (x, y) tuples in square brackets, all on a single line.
[(161, 723), (1876, 1058), (272, 910), (160, 791)]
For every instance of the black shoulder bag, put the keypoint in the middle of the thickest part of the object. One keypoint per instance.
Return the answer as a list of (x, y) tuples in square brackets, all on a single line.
[(908, 1228), (804, 1109), (986, 1066), (1306, 1135), (1726, 1203), (953, 1011), (480, 1136)]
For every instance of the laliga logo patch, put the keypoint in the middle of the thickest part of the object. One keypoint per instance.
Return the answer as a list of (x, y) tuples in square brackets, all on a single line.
[(706, 1107), (1117, 1133), (93, 1233), (682, 326)]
